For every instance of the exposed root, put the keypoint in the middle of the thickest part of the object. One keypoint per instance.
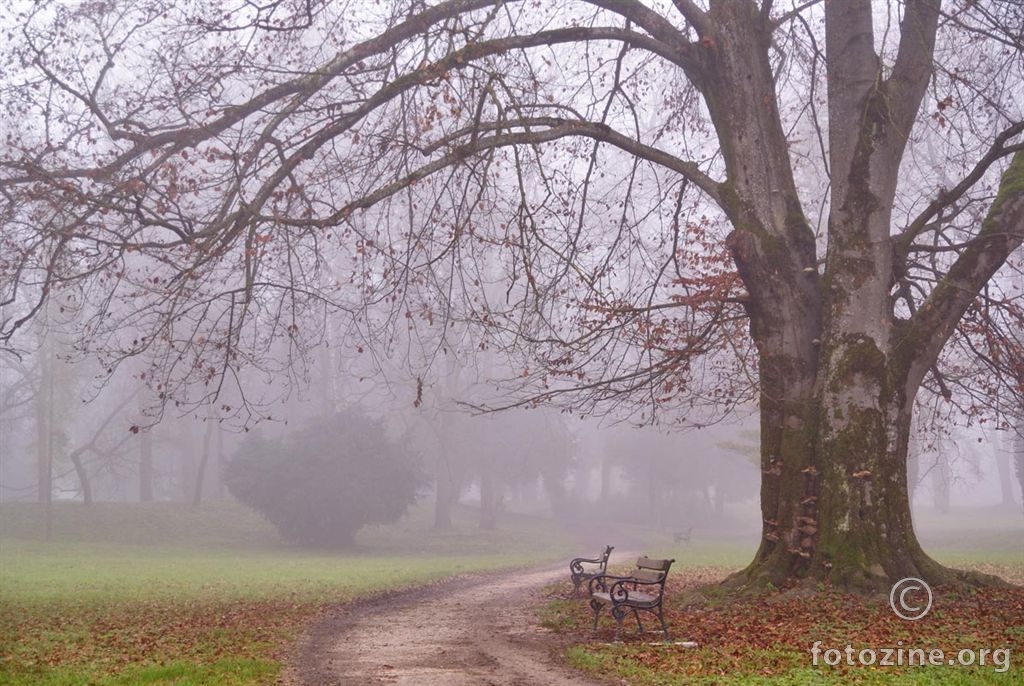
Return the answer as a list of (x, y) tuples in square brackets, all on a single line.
[(771, 574)]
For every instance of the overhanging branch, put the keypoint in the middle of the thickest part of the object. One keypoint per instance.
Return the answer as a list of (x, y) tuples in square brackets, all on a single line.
[(555, 129)]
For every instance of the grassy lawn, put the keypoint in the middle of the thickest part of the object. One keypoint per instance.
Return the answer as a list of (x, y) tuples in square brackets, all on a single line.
[(157, 594), (768, 640)]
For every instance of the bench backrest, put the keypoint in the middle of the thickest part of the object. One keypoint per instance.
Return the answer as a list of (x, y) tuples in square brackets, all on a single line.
[(605, 555), (652, 570)]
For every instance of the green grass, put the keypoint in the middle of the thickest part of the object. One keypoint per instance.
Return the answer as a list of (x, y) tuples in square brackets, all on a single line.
[(227, 672), (784, 668), (159, 594)]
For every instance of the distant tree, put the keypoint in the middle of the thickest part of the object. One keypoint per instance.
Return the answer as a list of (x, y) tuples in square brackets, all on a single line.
[(680, 479), (321, 484)]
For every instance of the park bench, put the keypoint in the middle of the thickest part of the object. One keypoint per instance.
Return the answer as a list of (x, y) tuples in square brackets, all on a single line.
[(643, 589), (582, 569), (682, 536)]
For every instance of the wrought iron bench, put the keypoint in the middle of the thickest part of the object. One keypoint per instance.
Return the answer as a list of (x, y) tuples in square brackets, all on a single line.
[(644, 589), (582, 569)]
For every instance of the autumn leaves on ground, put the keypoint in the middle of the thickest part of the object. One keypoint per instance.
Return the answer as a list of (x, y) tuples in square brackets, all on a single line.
[(767, 640), (160, 595), (133, 594)]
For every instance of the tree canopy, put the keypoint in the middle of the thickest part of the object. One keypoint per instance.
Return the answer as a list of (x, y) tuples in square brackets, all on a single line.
[(685, 205)]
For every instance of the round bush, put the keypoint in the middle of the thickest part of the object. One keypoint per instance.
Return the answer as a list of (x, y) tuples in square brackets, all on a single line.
[(320, 484)]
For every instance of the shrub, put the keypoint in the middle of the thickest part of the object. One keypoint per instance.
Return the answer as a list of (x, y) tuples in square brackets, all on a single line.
[(320, 484)]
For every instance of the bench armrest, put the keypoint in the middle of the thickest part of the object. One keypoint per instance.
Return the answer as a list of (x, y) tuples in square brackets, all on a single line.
[(601, 581)]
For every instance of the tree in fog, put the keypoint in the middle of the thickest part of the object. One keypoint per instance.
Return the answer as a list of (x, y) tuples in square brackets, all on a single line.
[(672, 207), (320, 484)]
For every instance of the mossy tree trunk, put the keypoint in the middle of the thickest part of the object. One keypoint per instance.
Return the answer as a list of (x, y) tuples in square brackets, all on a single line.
[(839, 369)]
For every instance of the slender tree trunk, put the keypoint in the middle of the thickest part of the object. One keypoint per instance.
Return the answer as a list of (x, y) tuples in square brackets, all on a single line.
[(204, 459), (146, 467), (43, 485), (187, 464), (1001, 454), (1018, 457), (46, 442), (446, 492), (488, 494), (554, 490), (44, 457), (941, 477), (653, 493), (606, 478), (218, 473), (83, 476)]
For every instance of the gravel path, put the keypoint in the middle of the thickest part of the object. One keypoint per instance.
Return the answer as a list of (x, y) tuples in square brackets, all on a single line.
[(465, 632)]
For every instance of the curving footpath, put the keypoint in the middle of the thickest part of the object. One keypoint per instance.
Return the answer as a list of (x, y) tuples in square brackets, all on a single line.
[(474, 631)]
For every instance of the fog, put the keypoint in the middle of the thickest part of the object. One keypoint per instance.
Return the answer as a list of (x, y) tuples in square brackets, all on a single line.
[(600, 479), (255, 257)]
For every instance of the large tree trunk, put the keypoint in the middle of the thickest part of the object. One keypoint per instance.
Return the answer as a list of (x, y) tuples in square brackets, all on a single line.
[(841, 509), (838, 369)]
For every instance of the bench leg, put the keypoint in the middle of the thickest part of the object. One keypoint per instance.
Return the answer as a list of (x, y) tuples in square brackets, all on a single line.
[(596, 607), (619, 613), (664, 627), (636, 614)]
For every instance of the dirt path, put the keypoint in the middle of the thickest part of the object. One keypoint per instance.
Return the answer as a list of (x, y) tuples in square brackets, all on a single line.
[(469, 631)]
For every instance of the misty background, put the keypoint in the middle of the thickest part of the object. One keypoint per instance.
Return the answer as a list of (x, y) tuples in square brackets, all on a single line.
[(71, 434)]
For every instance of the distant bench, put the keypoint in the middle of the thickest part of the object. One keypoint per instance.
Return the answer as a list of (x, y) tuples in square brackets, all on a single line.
[(643, 589), (583, 569)]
